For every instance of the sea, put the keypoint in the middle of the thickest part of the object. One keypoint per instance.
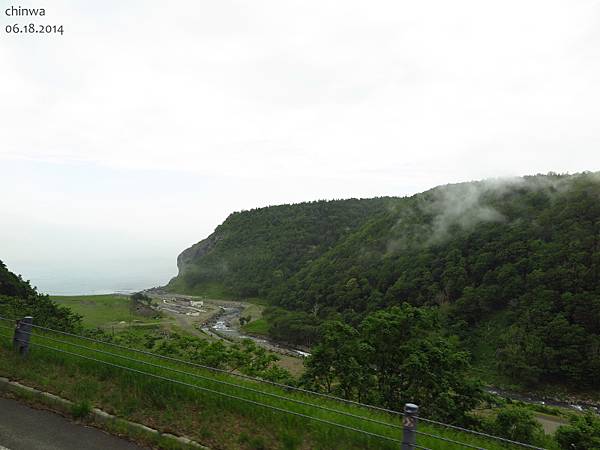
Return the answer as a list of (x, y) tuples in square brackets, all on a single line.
[(89, 278)]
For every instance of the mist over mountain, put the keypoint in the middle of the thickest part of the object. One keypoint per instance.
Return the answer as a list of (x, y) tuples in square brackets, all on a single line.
[(516, 258)]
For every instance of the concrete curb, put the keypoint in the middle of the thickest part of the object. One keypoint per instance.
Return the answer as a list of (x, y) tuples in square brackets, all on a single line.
[(101, 419)]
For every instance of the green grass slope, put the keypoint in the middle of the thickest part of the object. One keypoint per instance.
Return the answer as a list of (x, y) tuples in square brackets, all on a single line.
[(214, 408), (102, 311)]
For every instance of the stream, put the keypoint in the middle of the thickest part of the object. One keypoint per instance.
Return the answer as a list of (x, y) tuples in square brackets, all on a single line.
[(221, 326), (576, 405)]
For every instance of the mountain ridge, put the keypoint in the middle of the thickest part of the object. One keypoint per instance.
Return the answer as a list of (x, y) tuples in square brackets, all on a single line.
[(526, 249)]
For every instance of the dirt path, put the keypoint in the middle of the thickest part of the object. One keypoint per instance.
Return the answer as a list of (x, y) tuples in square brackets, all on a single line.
[(550, 423)]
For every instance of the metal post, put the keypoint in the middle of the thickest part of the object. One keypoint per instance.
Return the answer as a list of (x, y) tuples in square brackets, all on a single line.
[(22, 333), (409, 426)]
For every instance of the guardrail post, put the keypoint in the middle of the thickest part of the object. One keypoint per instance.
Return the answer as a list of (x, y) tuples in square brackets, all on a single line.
[(409, 426), (22, 333)]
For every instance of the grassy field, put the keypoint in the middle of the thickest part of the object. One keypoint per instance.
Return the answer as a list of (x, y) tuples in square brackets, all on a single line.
[(217, 409), (258, 326), (104, 311)]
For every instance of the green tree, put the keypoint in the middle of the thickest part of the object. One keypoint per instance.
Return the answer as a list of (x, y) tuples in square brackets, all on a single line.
[(582, 433), (19, 299), (337, 363), (396, 356), (518, 424)]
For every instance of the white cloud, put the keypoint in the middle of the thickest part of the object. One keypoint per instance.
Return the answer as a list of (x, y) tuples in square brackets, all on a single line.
[(276, 101)]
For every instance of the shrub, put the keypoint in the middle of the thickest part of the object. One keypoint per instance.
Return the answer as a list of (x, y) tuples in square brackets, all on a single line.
[(582, 433)]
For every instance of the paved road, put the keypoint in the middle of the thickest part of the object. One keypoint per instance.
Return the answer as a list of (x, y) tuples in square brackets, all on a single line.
[(24, 428)]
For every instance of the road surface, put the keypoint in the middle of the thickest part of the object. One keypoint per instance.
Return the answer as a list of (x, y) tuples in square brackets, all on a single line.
[(24, 428)]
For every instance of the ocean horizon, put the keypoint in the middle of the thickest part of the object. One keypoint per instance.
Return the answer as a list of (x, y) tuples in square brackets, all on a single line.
[(89, 279)]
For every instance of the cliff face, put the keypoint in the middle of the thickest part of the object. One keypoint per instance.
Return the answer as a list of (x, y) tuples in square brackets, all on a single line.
[(196, 252)]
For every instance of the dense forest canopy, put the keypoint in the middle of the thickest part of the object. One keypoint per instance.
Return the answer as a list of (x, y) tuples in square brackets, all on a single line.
[(523, 253), (254, 250)]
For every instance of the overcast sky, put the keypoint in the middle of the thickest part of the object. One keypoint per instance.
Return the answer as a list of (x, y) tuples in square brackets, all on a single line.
[(140, 129)]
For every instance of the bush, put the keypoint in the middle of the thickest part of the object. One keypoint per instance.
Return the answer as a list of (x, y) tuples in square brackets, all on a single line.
[(518, 424), (582, 433)]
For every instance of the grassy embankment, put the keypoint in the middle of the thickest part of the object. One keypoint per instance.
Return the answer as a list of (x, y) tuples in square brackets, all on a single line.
[(256, 324), (258, 327), (107, 311), (186, 407)]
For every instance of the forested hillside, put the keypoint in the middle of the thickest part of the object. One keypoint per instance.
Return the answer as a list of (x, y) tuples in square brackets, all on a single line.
[(521, 256), (18, 299), (254, 250)]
